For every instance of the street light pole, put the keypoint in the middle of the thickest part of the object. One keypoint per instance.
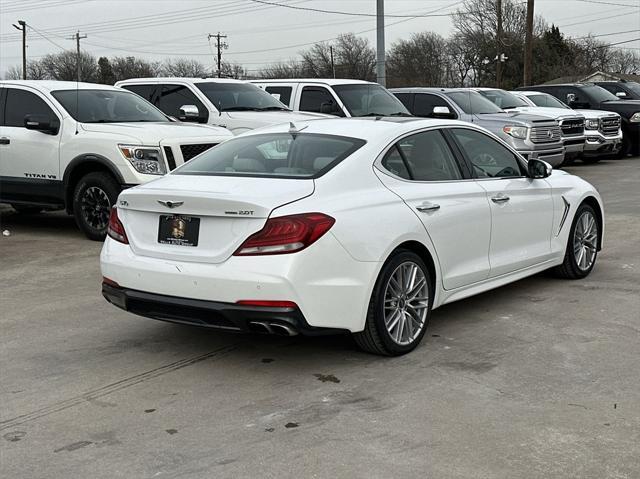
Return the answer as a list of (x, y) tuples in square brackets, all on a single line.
[(528, 46), (380, 64), (499, 44), (23, 28)]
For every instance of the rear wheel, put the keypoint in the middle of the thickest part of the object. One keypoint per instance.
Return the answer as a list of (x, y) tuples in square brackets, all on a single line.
[(582, 246), (399, 308), (93, 197)]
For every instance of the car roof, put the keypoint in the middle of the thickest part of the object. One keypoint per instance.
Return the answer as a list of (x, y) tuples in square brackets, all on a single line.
[(326, 81), (181, 79), (530, 92), (422, 89), (51, 85)]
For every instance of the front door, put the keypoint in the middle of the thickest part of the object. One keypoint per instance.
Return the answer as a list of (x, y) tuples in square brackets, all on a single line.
[(425, 173), (521, 207)]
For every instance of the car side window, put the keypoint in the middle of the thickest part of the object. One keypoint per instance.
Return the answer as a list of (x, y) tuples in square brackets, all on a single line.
[(424, 103), (428, 157), (406, 99), (172, 97), (394, 163), (612, 88), (20, 103), (313, 98), (488, 157), (282, 93), (145, 91)]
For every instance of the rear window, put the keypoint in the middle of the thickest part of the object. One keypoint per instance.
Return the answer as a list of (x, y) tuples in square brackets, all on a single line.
[(283, 155)]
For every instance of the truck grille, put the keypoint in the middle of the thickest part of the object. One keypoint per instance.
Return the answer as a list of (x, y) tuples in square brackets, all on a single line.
[(572, 127), (545, 134), (189, 151), (610, 126)]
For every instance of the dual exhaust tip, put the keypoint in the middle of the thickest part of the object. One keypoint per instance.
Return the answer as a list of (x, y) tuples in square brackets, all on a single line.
[(272, 328)]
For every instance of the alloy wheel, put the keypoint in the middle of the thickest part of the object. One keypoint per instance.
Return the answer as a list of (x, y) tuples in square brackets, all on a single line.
[(585, 240), (96, 207), (406, 303)]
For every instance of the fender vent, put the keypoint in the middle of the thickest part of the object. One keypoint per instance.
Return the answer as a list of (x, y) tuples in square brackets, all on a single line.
[(171, 161), (189, 151)]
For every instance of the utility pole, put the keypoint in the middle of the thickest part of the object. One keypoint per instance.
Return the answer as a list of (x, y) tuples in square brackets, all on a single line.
[(333, 66), (77, 37), (23, 29), (499, 44), (380, 64), (528, 46), (219, 46)]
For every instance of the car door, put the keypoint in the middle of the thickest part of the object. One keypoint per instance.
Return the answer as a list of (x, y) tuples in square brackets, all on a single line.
[(170, 98), (424, 104), (423, 170), (318, 99), (29, 157), (282, 93), (521, 207)]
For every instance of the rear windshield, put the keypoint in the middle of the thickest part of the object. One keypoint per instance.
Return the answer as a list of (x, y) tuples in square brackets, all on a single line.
[(282, 155)]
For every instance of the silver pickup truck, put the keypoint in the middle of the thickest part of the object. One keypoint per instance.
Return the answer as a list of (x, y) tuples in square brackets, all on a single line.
[(532, 136)]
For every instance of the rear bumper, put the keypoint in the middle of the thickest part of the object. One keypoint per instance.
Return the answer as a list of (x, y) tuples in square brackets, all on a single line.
[(212, 314)]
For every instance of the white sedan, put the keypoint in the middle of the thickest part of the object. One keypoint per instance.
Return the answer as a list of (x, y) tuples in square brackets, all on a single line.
[(358, 225)]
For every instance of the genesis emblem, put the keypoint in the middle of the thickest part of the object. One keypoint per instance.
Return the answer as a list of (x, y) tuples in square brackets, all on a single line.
[(171, 204)]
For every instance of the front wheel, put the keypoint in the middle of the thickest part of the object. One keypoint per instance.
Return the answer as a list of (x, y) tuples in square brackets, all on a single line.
[(582, 246), (399, 308), (93, 197)]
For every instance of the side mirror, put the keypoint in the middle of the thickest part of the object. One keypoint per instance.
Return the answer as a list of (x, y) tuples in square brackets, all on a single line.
[(621, 94), (571, 98), (442, 112), (189, 113), (539, 169), (43, 123), (330, 108)]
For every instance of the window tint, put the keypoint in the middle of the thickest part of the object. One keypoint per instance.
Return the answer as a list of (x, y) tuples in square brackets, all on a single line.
[(424, 103), (394, 163), (428, 157), (544, 99), (313, 97), (274, 154), (612, 88), (239, 96), (503, 99), (369, 99), (145, 91), (21, 103), (283, 93), (489, 158), (406, 99), (172, 97), (473, 103)]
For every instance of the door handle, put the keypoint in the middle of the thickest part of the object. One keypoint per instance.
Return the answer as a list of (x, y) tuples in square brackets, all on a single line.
[(4, 140), (500, 198), (426, 207)]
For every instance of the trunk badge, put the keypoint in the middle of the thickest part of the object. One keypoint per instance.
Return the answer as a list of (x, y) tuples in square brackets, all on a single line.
[(171, 204)]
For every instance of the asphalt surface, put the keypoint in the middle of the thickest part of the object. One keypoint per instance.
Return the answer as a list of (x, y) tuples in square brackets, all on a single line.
[(539, 379)]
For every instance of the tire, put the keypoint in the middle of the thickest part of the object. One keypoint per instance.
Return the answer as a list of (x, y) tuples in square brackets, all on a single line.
[(93, 197), (625, 149), (590, 160), (574, 265), (376, 337), (27, 209)]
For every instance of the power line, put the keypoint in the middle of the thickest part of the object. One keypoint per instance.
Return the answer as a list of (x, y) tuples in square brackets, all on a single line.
[(606, 34), (609, 3), (594, 20)]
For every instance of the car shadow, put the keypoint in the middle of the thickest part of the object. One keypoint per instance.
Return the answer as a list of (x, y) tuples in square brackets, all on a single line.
[(57, 223)]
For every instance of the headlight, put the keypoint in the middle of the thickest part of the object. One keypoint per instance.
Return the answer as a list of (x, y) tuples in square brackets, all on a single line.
[(592, 124), (635, 118), (516, 131), (145, 159)]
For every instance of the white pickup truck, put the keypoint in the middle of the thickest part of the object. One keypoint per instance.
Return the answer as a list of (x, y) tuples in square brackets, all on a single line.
[(233, 104), (75, 146)]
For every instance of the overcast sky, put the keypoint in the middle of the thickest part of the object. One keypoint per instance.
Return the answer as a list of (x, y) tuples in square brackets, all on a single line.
[(260, 34)]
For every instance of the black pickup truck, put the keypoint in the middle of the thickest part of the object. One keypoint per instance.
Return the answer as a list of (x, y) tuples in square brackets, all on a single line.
[(588, 96), (624, 90)]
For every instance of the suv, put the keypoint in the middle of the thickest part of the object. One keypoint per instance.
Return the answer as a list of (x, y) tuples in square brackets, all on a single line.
[(571, 122), (233, 104), (625, 90), (602, 128), (588, 96), (75, 146), (345, 98), (533, 136)]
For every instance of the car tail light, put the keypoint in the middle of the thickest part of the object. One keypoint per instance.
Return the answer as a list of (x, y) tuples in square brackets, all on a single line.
[(286, 234), (260, 303), (116, 229)]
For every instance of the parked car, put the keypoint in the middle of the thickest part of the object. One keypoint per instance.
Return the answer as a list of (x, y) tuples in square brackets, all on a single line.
[(233, 104), (587, 96), (347, 98), (532, 136), (571, 123), (603, 133), (75, 146), (358, 225), (625, 90)]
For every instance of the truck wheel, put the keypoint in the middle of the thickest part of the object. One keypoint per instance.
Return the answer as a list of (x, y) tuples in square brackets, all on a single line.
[(625, 150), (93, 197)]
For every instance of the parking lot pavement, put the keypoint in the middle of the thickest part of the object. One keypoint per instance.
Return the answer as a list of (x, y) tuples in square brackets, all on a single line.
[(538, 379)]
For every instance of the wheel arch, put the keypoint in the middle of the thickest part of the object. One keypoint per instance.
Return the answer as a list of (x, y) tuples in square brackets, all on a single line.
[(82, 165), (423, 252), (595, 204)]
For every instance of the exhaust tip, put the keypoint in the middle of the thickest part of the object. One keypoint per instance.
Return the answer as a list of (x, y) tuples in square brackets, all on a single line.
[(258, 327), (283, 329)]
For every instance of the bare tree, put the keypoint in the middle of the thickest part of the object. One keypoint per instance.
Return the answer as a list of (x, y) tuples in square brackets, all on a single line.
[(63, 66), (233, 70), (183, 67), (132, 67), (291, 69), (14, 72), (419, 61)]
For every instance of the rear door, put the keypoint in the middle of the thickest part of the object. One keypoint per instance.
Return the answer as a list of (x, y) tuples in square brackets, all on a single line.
[(423, 170), (521, 207)]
